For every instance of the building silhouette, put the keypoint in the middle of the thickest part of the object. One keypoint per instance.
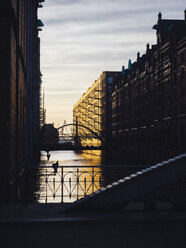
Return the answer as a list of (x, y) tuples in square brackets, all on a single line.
[(149, 99), (19, 89), (49, 135)]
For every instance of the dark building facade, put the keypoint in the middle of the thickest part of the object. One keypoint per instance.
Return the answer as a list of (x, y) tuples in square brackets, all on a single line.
[(49, 135), (19, 88), (149, 99), (107, 81)]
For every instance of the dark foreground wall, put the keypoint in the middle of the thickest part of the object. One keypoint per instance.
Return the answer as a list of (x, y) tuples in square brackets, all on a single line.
[(95, 231), (19, 71)]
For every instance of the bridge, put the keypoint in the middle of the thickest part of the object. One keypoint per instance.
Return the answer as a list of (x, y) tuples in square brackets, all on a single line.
[(93, 215), (67, 144), (165, 180)]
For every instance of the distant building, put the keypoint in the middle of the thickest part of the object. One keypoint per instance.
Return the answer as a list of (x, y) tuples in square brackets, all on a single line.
[(19, 89), (49, 135), (93, 110), (149, 99)]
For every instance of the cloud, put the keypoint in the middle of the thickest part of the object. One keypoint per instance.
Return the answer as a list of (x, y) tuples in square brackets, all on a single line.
[(82, 38)]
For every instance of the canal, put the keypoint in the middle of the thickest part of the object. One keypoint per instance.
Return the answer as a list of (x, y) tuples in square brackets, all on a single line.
[(77, 175)]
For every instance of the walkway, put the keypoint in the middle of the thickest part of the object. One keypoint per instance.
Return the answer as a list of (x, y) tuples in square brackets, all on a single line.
[(38, 226), (118, 194), (49, 226)]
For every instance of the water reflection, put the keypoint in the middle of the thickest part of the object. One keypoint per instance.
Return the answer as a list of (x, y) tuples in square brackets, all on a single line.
[(77, 176), (71, 158)]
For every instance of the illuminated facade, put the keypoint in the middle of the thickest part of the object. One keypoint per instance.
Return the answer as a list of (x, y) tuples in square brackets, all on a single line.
[(87, 111), (93, 110)]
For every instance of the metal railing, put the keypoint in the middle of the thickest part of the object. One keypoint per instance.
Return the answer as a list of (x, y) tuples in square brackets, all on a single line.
[(55, 184), (67, 184)]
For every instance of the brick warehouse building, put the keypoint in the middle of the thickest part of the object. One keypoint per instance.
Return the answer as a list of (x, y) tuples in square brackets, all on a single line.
[(149, 99), (19, 88)]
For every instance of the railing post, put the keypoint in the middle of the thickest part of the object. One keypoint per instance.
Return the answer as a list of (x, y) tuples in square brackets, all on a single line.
[(62, 181), (85, 186), (70, 184), (77, 183), (54, 194)]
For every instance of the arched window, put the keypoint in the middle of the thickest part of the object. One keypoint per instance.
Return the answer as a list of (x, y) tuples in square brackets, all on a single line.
[(182, 76), (158, 38)]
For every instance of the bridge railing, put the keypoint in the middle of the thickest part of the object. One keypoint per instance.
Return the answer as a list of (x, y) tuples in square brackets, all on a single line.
[(54, 184)]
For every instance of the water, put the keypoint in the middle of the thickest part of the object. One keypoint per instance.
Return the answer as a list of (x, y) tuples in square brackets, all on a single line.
[(78, 175), (70, 158)]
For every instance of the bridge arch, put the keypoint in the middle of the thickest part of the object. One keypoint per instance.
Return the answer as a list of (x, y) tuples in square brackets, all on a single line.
[(80, 125)]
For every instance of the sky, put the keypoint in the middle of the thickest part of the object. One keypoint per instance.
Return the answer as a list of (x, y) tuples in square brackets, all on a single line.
[(82, 38)]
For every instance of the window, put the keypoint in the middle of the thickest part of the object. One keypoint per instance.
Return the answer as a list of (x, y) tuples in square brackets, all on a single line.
[(182, 58)]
